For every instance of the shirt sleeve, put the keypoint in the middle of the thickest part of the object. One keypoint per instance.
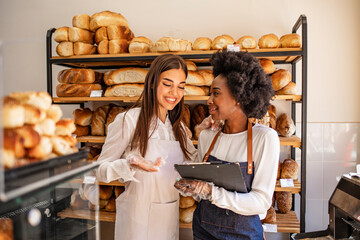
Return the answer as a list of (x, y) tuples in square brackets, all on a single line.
[(259, 199), (112, 166)]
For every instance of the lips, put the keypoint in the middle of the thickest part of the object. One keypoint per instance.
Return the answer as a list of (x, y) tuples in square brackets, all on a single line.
[(212, 109), (170, 100)]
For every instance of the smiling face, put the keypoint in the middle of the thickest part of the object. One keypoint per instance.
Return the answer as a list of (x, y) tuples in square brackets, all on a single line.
[(170, 90), (222, 105)]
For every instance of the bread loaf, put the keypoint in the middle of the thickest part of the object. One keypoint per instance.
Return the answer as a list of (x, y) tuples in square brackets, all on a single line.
[(76, 90), (105, 192), (81, 21), (202, 43), (54, 112), (195, 79), (186, 214), (41, 150), (103, 47), (290, 41), (110, 206), (160, 45), (41, 100), (270, 216), (268, 65), (198, 114), (186, 202), (280, 79), (82, 130), (46, 127), (6, 229), (9, 159), (289, 169), (101, 35), (98, 121), (65, 127), (247, 42), (118, 46), (284, 201), (112, 115), (289, 89), (285, 125), (81, 48), (191, 66), (124, 90), (76, 75), (186, 115), (140, 45), (269, 41), (106, 18), (195, 91), (65, 49), (33, 115), (279, 171), (221, 42), (61, 146), (94, 150), (166, 44), (80, 35), (208, 76), (115, 32), (125, 75), (14, 142), (118, 190), (13, 114), (82, 116), (61, 34), (272, 115), (71, 140)]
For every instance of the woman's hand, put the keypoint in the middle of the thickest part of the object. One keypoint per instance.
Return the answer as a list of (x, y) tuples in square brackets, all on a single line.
[(138, 161), (209, 123), (195, 188)]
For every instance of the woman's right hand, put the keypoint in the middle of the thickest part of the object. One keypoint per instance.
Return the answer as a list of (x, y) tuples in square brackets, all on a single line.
[(208, 122), (139, 162)]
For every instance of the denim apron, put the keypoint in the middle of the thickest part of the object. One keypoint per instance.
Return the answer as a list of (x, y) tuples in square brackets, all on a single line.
[(211, 222)]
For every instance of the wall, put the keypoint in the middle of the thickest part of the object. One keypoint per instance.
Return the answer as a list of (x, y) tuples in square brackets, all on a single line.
[(333, 73)]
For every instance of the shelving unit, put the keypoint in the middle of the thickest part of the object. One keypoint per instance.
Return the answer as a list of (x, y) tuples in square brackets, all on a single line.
[(286, 222)]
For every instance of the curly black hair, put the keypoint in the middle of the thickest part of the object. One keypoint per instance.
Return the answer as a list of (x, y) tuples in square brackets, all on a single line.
[(246, 79)]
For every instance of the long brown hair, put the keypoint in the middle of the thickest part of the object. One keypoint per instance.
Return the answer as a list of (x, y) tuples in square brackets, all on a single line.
[(150, 105)]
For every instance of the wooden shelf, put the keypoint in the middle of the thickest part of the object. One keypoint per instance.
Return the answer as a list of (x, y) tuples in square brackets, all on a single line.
[(295, 98), (113, 183), (295, 189), (293, 141), (287, 223)]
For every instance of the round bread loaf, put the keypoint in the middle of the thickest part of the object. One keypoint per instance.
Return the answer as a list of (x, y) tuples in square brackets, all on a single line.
[(292, 40), (186, 214), (186, 202), (83, 116), (270, 216), (221, 42), (289, 169), (105, 192), (202, 43), (280, 79), (285, 125), (269, 41), (284, 201), (289, 89), (65, 127), (268, 65), (247, 42)]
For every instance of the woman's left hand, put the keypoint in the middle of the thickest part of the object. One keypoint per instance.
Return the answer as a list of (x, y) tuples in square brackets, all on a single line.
[(195, 188)]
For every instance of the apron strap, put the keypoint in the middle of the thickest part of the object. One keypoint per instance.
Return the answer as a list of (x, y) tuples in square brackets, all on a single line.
[(249, 148)]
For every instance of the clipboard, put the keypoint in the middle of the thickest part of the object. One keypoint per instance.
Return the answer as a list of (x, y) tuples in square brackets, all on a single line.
[(226, 175)]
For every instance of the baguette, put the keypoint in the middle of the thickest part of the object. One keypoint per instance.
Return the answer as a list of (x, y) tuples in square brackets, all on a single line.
[(125, 75), (76, 90)]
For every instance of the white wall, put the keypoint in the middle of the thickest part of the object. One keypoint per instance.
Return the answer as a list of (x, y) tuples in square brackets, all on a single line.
[(333, 49)]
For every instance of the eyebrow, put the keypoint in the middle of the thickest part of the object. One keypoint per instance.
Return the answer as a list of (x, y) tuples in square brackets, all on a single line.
[(167, 79), (216, 88)]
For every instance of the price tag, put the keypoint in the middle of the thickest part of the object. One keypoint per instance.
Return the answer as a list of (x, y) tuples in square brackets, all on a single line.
[(233, 48), (89, 179), (96, 93), (269, 227), (286, 182)]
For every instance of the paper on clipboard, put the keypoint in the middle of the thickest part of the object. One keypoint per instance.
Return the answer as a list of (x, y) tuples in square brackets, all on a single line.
[(226, 175)]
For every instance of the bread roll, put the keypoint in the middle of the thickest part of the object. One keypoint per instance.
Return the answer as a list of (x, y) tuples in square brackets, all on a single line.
[(106, 18), (195, 91), (103, 47), (179, 45), (82, 116), (81, 48), (101, 35), (105, 192), (186, 202), (118, 46), (284, 201), (14, 142), (208, 76), (118, 190), (76, 90), (160, 45), (42, 150), (98, 121), (115, 32), (80, 35), (125, 75), (289, 169), (9, 159), (76, 75), (191, 66), (186, 115), (272, 115), (221, 42), (65, 49), (247, 42), (112, 115), (202, 43), (65, 127), (46, 127), (269, 41), (13, 113), (195, 79), (186, 214), (290, 41), (33, 115), (54, 112), (285, 125), (124, 90), (82, 130), (268, 65), (140, 45), (81, 21), (6, 229), (61, 146), (289, 89), (61, 34), (71, 140), (111, 205), (40, 100), (280, 79), (270, 216)]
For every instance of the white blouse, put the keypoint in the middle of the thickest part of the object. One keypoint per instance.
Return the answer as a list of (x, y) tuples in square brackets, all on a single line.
[(116, 148), (233, 148)]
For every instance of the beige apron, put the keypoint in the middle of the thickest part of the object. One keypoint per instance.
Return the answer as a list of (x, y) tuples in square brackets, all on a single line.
[(149, 209)]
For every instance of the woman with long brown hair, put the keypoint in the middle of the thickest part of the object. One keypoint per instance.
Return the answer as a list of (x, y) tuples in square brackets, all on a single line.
[(135, 149)]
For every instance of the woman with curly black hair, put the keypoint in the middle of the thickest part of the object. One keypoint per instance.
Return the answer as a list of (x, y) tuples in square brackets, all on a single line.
[(240, 90)]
